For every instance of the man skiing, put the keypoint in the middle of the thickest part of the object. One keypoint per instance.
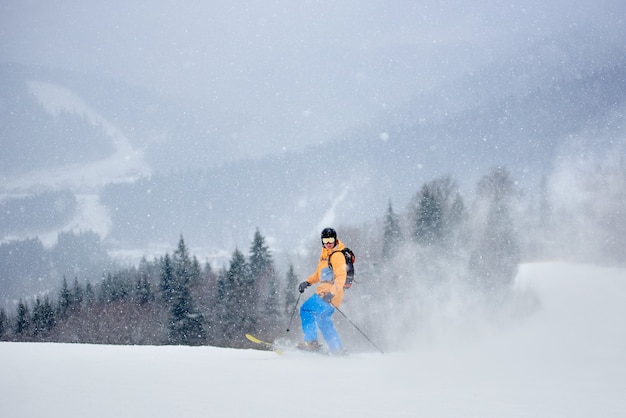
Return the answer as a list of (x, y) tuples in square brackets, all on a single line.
[(316, 312)]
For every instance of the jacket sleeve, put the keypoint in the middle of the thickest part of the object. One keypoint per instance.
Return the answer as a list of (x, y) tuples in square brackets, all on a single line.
[(315, 277)]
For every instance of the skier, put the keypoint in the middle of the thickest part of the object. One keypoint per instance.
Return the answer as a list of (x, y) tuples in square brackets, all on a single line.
[(316, 312)]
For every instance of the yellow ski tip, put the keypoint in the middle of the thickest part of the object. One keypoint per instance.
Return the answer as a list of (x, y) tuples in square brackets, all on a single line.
[(265, 344), (256, 340)]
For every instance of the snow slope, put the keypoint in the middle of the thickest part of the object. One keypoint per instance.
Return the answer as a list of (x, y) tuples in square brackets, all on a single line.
[(126, 164), (566, 360)]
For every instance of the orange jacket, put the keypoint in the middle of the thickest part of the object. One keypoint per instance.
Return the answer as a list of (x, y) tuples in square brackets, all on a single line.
[(332, 283)]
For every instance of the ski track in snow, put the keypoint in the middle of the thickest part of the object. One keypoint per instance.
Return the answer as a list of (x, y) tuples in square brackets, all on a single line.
[(125, 165)]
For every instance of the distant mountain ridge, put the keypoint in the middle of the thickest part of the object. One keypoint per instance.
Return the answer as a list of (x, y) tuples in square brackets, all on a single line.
[(521, 113)]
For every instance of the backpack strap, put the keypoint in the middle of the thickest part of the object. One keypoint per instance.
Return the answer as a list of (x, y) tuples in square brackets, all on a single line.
[(349, 257), (331, 256)]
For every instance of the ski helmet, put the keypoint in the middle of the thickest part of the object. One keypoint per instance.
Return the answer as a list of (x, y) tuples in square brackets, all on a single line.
[(329, 233)]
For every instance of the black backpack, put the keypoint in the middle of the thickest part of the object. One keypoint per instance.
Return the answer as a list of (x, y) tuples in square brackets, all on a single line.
[(350, 259)]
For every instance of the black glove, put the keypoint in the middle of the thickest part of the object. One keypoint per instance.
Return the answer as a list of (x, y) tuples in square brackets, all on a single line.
[(303, 286), (328, 297)]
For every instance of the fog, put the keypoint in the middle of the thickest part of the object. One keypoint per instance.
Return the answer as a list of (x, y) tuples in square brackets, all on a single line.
[(132, 124), (211, 120), (303, 73)]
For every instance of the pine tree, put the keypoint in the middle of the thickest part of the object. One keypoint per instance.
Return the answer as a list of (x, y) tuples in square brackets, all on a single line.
[(167, 280), (457, 212), (115, 287), (43, 317), (185, 322), (22, 321), (3, 319), (186, 270), (290, 293), (143, 290), (78, 294), (207, 272), (429, 225), (65, 299), (196, 271), (496, 254), (263, 275), (149, 269), (269, 316), (90, 295), (438, 213), (260, 258), (37, 317), (235, 301), (48, 317), (392, 234), (3, 323)]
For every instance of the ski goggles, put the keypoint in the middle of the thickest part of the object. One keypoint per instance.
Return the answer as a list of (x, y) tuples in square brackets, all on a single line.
[(328, 240)]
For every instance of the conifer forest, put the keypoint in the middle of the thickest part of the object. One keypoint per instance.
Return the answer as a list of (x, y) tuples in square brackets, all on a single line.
[(442, 241)]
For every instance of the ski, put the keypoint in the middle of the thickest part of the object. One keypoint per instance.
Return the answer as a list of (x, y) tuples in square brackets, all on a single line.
[(269, 346), (280, 347)]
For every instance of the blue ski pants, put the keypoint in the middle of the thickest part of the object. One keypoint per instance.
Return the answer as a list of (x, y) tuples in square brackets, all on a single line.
[(314, 314)]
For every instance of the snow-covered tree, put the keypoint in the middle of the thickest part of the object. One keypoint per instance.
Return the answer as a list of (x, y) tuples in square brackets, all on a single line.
[(167, 279), (3, 323), (78, 294), (235, 302), (186, 323), (65, 299), (143, 290), (437, 213), (496, 254), (22, 321), (263, 274), (43, 316), (392, 234), (186, 269), (292, 281)]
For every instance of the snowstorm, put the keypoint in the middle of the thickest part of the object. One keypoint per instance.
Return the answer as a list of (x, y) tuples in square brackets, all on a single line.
[(167, 168)]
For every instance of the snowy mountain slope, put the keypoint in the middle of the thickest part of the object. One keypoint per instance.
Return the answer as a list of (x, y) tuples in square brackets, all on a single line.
[(126, 163), (84, 179), (540, 100), (566, 360)]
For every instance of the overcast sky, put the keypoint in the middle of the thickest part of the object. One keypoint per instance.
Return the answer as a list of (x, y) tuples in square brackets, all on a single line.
[(304, 66)]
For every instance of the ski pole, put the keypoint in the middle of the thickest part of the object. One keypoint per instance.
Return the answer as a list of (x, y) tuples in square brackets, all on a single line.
[(294, 311), (358, 329)]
